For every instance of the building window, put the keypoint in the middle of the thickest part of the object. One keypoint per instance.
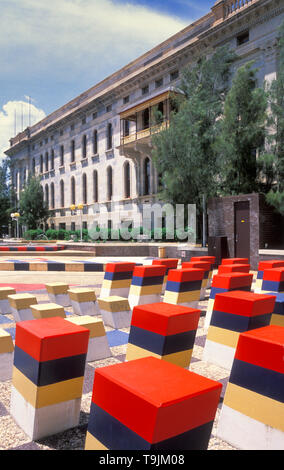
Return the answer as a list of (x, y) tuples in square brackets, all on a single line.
[(146, 119), (46, 161), (52, 196), (125, 127), (72, 151), (85, 225), (84, 121), (62, 202), (41, 164), (243, 38), (147, 175), (127, 180), (46, 190), (95, 142), (95, 186), (109, 108), (73, 191), (109, 136), (73, 226), (62, 155), (52, 160), (95, 115), (145, 90), (84, 146), (174, 75), (109, 183), (84, 186), (126, 99), (158, 83), (33, 166)]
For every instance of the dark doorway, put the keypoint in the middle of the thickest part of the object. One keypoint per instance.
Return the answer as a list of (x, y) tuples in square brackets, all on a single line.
[(242, 229)]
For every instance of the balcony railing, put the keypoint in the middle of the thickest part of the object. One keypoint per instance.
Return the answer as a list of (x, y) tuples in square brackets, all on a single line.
[(134, 136)]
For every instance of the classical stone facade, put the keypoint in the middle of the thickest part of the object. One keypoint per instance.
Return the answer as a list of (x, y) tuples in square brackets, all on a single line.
[(96, 149)]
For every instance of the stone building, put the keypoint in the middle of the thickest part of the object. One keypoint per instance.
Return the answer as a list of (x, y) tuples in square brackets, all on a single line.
[(96, 149)]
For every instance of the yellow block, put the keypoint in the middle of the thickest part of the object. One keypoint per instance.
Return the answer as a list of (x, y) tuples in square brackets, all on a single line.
[(7, 266), (74, 267), (180, 358), (135, 352), (277, 319), (114, 304), (258, 283), (47, 310), (21, 301), (92, 443), (96, 327), (145, 290), (259, 407), (222, 336), (181, 297), (6, 342), (118, 284), (37, 266), (5, 291), (81, 294), (47, 395), (57, 288)]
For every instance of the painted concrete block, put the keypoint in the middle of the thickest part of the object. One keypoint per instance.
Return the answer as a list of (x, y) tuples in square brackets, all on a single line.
[(84, 301), (184, 287), (117, 279), (115, 311), (21, 306), (5, 307), (146, 285), (6, 355), (58, 293), (48, 310)]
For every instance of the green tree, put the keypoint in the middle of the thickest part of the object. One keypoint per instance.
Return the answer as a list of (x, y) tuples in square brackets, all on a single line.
[(242, 133), (5, 202), (32, 207), (184, 152)]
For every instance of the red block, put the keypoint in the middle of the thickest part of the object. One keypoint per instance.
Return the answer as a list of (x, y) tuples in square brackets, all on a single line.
[(184, 275), (119, 267), (274, 274), (263, 347), (205, 265), (165, 319), (149, 271), (232, 280), (168, 262), (51, 338), (210, 259), (273, 263), (154, 398), (235, 261), (244, 303), (233, 268)]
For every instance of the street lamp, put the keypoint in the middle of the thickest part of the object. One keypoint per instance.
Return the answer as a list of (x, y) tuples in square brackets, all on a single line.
[(15, 216), (80, 207)]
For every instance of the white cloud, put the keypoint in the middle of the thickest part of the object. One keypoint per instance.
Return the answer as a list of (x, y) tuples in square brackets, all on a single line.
[(16, 116)]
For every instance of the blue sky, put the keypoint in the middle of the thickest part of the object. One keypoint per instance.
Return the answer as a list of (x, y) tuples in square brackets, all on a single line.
[(54, 50)]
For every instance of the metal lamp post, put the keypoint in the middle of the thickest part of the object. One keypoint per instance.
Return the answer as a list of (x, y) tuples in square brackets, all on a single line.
[(80, 207), (15, 216)]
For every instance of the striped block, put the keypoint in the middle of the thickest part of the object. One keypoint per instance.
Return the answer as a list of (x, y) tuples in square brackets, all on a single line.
[(47, 310), (184, 287), (117, 279), (146, 285), (115, 311), (277, 317), (149, 404), (235, 261), (234, 313), (273, 280), (58, 293), (6, 355), (207, 259), (163, 330), (225, 283), (98, 347), (170, 263), (262, 265), (21, 306), (206, 267), (84, 301), (233, 268), (5, 307), (48, 375), (252, 415)]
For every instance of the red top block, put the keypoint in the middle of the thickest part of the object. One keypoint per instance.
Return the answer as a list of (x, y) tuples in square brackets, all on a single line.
[(205, 265), (119, 267), (149, 271), (233, 268), (274, 274), (210, 259), (51, 338), (262, 347), (165, 319), (168, 262), (235, 261), (232, 280), (184, 275), (244, 303), (154, 398), (272, 263)]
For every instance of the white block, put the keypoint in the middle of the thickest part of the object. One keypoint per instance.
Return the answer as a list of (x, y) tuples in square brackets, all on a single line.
[(22, 314), (98, 348), (6, 366), (59, 299), (209, 312), (143, 299), (117, 320), (118, 292), (85, 308), (5, 307), (38, 423), (219, 354)]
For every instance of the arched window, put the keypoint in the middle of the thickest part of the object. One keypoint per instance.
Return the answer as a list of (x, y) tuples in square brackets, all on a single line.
[(46, 161), (52, 196), (52, 160), (127, 180), (84, 146), (109, 183), (84, 187), (95, 186), (62, 202), (95, 142), (41, 164), (33, 166), (46, 190), (147, 175), (146, 119), (62, 155), (73, 191), (72, 150), (109, 136)]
